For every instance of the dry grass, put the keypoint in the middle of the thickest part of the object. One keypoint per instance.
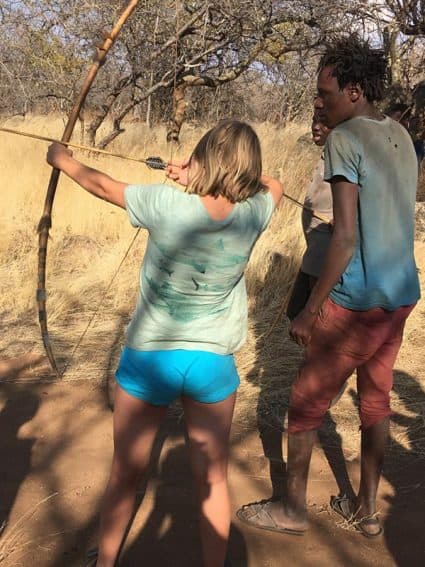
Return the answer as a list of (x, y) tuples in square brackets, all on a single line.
[(89, 239)]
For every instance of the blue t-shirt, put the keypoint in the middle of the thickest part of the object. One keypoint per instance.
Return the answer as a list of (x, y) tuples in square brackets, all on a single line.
[(192, 287), (378, 156)]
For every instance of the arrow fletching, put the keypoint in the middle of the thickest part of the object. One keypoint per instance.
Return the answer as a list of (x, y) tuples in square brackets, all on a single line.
[(155, 163)]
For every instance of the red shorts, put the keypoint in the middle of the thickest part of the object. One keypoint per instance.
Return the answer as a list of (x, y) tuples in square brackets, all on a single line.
[(343, 341)]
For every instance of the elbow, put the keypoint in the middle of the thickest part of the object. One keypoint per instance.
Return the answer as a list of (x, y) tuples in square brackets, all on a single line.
[(346, 242), (349, 243), (102, 192)]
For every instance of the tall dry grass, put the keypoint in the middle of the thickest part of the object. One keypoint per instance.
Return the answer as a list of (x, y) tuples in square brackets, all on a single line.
[(89, 238)]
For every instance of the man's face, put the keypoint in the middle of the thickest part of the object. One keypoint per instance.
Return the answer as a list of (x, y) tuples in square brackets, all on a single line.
[(332, 105), (319, 132)]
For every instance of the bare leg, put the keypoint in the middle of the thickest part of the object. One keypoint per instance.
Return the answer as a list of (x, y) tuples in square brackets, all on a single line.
[(374, 440), (332, 447), (374, 383), (290, 512), (300, 446), (208, 427), (135, 426)]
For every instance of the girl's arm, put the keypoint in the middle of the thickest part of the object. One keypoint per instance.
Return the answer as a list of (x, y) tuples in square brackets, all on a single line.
[(274, 186), (97, 183)]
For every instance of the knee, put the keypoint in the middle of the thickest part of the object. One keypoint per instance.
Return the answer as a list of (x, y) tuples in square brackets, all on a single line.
[(125, 471), (305, 414), (372, 411)]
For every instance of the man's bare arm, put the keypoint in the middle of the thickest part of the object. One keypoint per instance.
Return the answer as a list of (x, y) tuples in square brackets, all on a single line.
[(340, 251), (342, 243)]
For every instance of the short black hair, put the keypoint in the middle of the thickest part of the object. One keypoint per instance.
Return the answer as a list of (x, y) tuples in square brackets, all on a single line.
[(355, 61), (405, 109)]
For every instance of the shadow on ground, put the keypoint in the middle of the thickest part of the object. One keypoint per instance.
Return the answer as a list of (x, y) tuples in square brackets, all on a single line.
[(56, 449)]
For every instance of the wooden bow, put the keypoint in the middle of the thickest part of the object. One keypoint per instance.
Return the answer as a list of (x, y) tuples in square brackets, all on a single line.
[(46, 219)]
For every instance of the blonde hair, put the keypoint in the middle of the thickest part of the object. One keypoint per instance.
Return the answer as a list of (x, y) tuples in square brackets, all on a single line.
[(228, 162)]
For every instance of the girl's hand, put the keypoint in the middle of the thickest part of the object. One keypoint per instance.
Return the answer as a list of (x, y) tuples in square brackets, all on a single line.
[(178, 171), (56, 154)]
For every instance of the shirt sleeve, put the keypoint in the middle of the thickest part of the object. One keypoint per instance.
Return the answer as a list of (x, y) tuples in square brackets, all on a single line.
[(265, 207), (145, 204), (341, 157)]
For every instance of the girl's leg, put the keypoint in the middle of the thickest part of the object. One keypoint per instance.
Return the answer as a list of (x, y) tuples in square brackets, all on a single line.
[(135, 426), (208, 428)]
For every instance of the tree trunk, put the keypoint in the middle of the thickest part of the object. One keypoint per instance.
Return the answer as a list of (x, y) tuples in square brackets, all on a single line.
[(179, 112), (393, 55)]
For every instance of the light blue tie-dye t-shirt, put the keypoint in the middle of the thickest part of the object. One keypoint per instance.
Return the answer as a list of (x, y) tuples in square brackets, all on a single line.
[(192, 288), (378, 156)]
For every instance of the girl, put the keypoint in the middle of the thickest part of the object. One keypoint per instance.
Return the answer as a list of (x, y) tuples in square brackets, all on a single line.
[(190, 317)]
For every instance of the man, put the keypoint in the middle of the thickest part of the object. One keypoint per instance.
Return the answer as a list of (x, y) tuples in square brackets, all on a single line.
[(400, 113), (316, 232), (403, 114), (369, 275)]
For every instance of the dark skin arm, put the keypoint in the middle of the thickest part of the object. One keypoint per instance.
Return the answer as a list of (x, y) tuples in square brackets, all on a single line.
[(340, 251)]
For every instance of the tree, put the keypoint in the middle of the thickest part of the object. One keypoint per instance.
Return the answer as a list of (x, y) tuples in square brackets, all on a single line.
[(255, 59), (409, 15)]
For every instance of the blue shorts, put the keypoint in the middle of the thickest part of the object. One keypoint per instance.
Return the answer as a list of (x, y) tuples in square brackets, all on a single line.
[(160, 376)]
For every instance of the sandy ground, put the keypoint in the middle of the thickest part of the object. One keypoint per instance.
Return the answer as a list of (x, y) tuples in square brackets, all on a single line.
[(56, 448)]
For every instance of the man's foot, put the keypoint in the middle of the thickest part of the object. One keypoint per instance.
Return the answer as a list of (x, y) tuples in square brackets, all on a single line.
[(271, 516), (367, 524)]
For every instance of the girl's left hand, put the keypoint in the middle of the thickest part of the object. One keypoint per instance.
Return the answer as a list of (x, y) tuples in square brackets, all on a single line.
[(56, 154)]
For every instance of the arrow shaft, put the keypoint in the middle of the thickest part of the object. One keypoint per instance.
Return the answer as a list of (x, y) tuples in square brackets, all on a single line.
[(70, 144)]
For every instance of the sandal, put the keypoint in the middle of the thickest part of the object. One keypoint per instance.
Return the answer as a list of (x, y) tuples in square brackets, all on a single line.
[(258, 515), (91, 557), (343, 506)]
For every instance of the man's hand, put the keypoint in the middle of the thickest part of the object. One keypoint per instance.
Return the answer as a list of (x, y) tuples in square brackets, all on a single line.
[(56, 155), (302, 327), (178, 171)]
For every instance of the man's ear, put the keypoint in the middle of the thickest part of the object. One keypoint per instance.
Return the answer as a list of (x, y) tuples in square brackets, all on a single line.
[(354, 92)]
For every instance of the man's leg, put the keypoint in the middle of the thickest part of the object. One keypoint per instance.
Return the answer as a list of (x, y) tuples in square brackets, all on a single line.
[(291, 511), (374, 383), (374, 440), (320, 378)]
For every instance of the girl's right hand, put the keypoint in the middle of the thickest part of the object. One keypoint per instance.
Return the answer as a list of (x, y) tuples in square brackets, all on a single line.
[(178, 171)]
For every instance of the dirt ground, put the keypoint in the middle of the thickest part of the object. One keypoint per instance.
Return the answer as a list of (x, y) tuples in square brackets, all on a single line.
[(55, 451)]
